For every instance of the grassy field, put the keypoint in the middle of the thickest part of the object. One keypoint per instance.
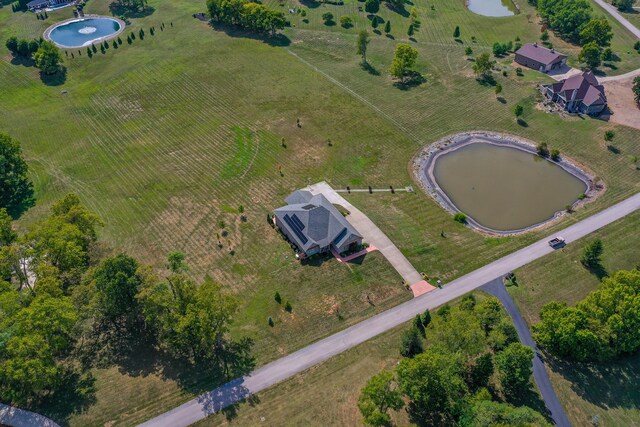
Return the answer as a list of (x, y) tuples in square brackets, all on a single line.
[(609, 391), (336, 384), (169, 136), (585, 391)]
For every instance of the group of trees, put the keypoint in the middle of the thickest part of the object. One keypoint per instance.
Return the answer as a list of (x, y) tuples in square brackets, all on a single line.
[(573, 20), (246, 14), (22, 47), (473, 348), (604, 325), (39, 324), (46, 55), (501, 49), (62, 305)]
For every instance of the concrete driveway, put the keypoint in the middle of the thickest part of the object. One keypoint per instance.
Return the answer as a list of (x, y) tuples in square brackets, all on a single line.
[(371, 233)]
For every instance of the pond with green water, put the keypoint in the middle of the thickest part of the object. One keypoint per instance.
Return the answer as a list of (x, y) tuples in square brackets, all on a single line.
[(504, 188)]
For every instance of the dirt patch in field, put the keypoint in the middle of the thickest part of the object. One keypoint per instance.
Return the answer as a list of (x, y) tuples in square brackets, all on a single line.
[(624, 109)]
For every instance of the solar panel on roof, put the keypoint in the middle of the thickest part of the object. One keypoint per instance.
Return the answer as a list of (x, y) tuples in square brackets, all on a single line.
[(297, 221), (340, 236), (294, 226)]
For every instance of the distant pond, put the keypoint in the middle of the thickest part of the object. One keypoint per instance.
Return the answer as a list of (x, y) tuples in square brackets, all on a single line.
[(492, 7), (504, 188)]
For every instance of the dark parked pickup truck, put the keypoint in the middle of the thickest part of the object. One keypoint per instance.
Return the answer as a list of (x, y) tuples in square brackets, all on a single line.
[(556, 242)]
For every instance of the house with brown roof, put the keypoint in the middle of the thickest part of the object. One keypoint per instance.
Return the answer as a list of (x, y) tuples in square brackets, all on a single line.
[(540, 58), (578, 94)]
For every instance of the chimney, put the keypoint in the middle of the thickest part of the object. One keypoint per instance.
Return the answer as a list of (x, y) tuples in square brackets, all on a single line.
[(535, 44), (553, 50)]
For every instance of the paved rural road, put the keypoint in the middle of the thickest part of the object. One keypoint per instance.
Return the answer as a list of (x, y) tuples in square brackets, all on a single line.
[(540, 375), (629, 26), (612, 10), (286, 367), (16, 417)]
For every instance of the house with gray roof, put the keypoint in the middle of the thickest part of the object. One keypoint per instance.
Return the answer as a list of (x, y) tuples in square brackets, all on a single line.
[(578, 94), (314, 225), (540, 58)]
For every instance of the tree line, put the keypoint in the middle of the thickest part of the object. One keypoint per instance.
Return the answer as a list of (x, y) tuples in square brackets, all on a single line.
[(246, 14), (472, 368), (45, 54), (603, 326), (65, 309), (573, 20)]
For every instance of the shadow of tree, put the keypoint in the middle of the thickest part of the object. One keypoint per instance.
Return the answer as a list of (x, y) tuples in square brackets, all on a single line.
[(522, 122), (311, 4), (614, 384), (137, 354), (413, 79), (279, 39), (56, 79), (75, 393), (118, 9), (486, 80), (23, 60), (598, 270)]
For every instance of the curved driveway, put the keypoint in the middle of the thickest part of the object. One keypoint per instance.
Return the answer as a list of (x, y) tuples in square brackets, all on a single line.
[(281, 369), (540, 375)]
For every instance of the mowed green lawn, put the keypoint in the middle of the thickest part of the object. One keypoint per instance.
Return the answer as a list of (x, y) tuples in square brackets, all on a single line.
[(169, 136), (611, 390)]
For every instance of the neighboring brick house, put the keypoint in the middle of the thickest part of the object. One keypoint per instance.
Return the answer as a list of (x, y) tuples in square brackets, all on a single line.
[(540, 58), (314, 225), (578, 94)]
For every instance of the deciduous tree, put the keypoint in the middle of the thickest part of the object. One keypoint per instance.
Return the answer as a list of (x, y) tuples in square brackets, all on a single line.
[(48, 58), (515, 365), (16, 191), (378, 396), (403, 61)]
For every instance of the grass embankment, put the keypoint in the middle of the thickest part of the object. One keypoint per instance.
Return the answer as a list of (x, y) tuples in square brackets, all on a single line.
[(169, 136)]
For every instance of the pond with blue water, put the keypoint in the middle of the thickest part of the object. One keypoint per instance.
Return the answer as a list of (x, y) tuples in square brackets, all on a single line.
[(84, 32)]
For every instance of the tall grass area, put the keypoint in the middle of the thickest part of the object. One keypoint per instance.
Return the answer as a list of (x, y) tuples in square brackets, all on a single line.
[(169, 136)]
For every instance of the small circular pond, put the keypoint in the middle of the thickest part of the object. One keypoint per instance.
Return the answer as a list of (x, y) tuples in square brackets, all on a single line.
[(84, 31), (492, 7), (500, 183)]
